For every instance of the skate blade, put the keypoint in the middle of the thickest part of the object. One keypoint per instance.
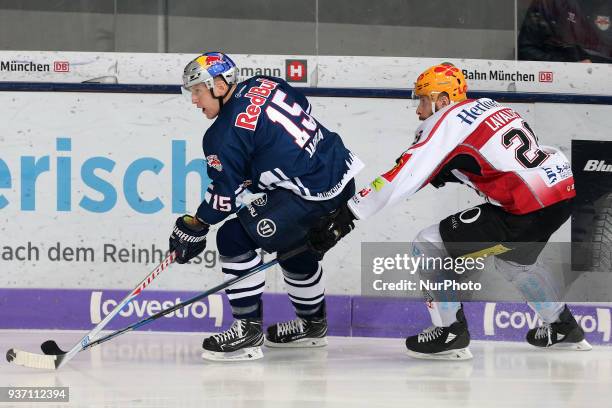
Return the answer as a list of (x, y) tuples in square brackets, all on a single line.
[(245, 354), (458, 354), (582, 345), (300, 343)]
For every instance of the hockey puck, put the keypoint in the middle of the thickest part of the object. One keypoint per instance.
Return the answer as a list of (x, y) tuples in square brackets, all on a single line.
[(51, 348), (10, 355)]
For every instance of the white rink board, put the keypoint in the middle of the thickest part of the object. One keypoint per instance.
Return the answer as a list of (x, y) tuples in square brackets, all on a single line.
[(125, 128), (313, 71)]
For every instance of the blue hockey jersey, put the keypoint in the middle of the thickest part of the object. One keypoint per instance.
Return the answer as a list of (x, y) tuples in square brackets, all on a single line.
[(265, 138)]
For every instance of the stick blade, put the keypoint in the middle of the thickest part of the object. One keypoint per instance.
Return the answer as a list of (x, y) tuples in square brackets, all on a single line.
[(32, 360), (51, 348)]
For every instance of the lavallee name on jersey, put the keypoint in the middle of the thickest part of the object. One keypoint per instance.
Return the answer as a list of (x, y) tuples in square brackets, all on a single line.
[(258, 95)]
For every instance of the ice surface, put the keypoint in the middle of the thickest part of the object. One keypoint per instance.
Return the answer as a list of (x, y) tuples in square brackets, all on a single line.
[(147, 369)]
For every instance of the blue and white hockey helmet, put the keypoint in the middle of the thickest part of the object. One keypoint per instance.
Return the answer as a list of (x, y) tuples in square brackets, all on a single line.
[(206, 67)]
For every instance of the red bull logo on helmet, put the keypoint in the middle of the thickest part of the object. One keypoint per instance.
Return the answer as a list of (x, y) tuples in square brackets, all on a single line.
[(207, 61)]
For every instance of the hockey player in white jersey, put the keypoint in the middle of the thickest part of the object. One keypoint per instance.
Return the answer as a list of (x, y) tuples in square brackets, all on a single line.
[(528, 189)]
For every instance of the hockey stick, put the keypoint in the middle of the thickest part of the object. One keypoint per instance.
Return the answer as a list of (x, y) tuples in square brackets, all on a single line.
[(54, 357), (54, 349), (53, 362)]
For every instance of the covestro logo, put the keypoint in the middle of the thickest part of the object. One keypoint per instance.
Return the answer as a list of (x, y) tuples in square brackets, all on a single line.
[(102, 304), (498, 318)]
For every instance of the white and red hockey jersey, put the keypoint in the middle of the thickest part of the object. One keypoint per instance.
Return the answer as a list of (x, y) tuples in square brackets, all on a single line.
[(484, 145)]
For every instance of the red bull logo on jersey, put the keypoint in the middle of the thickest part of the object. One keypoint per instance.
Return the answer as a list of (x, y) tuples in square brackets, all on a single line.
[(602, 22), (214, 162), (258, 95)]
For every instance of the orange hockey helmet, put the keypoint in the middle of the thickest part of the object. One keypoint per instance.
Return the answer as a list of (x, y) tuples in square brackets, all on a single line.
[(440, 78)]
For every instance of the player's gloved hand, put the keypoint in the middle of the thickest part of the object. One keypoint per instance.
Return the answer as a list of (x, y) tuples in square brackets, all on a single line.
[(329, 230), (188, 238)]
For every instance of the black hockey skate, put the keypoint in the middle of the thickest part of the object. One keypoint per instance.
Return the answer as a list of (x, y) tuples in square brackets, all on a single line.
[(442, 343), (565, 334), (242, 341), (299, 332)]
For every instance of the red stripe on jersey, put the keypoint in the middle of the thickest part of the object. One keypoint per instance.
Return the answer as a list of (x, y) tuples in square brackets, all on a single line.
[(481, 135), (509, 189), (505, 187), (390, 175), (549, 195)]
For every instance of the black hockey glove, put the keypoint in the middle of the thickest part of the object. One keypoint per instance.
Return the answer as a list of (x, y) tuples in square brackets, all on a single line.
[(188, 238), (329, 230)]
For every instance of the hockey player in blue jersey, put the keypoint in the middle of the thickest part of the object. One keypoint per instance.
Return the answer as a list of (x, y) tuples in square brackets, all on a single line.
[(263, 141)]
